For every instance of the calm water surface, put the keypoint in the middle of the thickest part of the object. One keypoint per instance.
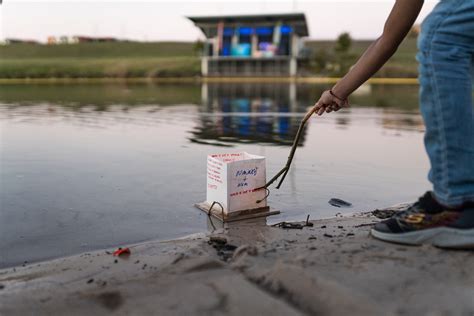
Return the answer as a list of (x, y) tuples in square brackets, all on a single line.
[(92, 166)]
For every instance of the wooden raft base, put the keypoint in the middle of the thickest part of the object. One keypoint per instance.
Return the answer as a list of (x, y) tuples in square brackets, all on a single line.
[(238, 215)]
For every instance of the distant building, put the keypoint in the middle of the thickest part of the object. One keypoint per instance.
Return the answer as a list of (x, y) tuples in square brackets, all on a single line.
[(64, 40), (51, 40), (90, 39), (252, 45), (20, 41)]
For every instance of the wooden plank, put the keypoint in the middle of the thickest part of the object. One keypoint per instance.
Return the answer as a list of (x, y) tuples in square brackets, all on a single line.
[(236, 216)]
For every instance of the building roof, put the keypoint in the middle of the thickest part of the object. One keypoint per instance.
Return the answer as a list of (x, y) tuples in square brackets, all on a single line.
[(208, 24)]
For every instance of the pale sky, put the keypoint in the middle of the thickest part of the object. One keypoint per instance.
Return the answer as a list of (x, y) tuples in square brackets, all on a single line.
[(158, 20)]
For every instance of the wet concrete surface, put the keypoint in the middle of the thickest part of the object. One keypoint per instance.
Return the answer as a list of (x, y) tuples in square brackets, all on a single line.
[(331, 268)]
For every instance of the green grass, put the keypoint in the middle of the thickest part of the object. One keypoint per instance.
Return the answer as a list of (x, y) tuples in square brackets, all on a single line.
[(161, 59), (402, 63), (99, 67), (407, 47), (99, 50), (99, 60)]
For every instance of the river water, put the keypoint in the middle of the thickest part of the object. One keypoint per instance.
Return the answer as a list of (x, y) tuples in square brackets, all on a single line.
[(91, 166)]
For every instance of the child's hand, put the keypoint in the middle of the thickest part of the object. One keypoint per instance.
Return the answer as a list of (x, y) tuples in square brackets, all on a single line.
[(328, 102)]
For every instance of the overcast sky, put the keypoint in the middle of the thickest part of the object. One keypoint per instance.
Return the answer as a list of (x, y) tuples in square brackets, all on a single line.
[(157, 20)]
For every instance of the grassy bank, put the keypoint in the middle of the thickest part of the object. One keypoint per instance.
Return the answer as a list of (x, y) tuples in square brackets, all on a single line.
[(402, 64), (99, 60), (152, 60), (99, 67)]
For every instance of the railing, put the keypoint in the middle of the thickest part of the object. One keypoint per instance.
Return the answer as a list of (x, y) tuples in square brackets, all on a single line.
[(276, 66)]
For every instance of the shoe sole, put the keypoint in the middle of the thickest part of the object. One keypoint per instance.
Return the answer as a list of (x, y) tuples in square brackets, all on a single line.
[(443, 237)]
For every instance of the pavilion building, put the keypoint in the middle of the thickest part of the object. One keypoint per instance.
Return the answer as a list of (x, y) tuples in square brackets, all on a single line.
[(252, 45)]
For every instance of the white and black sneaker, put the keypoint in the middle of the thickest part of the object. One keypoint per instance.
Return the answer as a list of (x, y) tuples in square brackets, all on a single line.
[(427, 221)]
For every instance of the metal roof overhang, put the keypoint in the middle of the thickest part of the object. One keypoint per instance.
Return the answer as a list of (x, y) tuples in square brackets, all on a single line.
[(208, 24)]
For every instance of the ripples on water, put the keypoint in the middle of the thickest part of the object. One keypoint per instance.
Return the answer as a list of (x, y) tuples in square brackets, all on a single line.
[(91, 166)]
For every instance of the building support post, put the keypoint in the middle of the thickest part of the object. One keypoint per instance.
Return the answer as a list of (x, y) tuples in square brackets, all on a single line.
[(215, 47), (293, 67), (204, 66), (205, 96), (254, 44), (292, 97)]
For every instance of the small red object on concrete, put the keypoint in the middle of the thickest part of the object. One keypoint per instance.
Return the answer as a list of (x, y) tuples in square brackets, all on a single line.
[(122, 251)]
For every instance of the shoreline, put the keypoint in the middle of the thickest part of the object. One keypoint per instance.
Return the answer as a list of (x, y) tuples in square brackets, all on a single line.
[(201, 234), (99, 249), (198, 80), (331, 268)]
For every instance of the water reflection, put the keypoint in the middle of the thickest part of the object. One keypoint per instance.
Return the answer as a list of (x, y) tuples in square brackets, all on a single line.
[(225, 114), (248, 113), (100, 96), (271, 113)]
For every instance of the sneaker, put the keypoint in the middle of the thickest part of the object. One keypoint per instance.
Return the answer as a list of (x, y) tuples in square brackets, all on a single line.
[(427, 221)]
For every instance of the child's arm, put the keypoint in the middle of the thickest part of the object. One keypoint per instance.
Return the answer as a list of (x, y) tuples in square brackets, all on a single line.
[(397, 26)]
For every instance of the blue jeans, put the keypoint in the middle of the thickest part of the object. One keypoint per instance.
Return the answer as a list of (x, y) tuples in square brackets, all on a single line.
[(445, 56)]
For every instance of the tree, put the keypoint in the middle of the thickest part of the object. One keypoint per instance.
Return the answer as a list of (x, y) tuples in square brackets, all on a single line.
[(343, 43), (198, 47), (320, 61)]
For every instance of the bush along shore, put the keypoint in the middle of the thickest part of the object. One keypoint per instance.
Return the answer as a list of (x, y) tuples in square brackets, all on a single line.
[(174, 59)]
